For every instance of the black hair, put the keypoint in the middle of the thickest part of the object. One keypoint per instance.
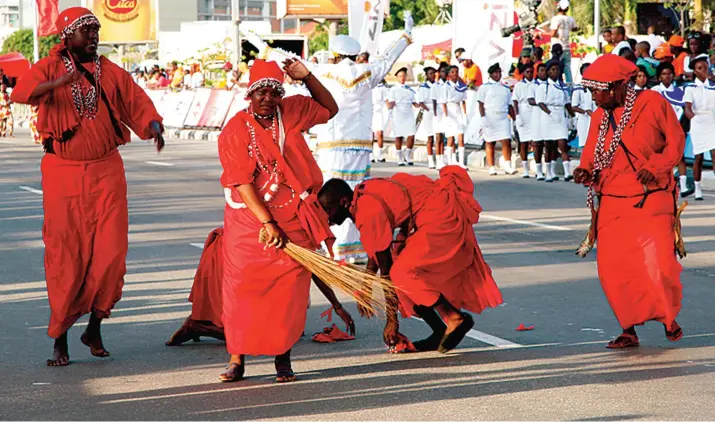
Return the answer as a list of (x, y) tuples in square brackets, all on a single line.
[(523, 66), (619, 29), (459, 50), (584, 66), (334, 190), (663, 66), (642, 68), (632, 42), (428, 68), (538, 52)]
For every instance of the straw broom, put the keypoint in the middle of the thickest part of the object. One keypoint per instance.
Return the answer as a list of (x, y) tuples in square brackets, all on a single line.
[(351, 279)]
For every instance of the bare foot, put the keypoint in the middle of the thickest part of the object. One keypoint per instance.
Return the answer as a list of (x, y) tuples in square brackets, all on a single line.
[(60, 356), (185, 333), (93, 340)]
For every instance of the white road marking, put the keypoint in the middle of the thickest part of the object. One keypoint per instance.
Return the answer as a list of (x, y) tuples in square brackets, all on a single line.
[(197, 245), (31, 190), (493, 340), (160, 163), (488, 338), (526, 223)]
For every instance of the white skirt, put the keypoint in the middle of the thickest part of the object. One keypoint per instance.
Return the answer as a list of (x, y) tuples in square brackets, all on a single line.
[(523, 126), (702, 133), (554, 126), (497, 127), (379, 118), (453, 123), (426, 127), (403, 122), (583, 123)]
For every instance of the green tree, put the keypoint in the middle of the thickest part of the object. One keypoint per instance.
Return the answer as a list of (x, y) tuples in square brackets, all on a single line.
[(424, 12), (21, 42), (320, 38)]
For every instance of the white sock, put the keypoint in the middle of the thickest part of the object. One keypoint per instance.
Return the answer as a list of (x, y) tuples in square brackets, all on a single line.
[(566, 165), (454, 158), (683, 183), (539, 169), (462, 151), (698, 190), (553, 168), (430, 160), (550, 170), (525, 166), (448, 153), (399, 156), (378, 153), (408, 155), (440, 160)]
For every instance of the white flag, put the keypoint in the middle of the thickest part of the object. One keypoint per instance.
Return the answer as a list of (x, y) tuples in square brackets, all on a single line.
[(372, 25)]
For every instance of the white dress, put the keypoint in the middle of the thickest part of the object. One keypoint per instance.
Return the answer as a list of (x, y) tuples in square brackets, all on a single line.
[(424, 96), (455, 95), (535, 111), (379, 109), (438, 93), (496, 124), (403, 113), (702, 126), (583, 99), (555, 96), (523, 118)]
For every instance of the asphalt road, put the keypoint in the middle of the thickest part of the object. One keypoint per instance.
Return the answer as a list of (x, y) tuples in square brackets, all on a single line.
[(528, 232)]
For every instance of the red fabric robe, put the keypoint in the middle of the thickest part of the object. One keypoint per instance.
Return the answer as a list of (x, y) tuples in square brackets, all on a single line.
[(207, 303), (442, 256), (265, 292), (85, 190), (636, 257)]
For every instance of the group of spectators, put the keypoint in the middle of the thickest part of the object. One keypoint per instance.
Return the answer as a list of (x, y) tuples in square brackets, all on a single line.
[(175, 77)]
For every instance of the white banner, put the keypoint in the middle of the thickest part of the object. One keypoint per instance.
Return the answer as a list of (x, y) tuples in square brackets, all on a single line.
[(477, 29), (201, 99), (174, 107), (372, 25)]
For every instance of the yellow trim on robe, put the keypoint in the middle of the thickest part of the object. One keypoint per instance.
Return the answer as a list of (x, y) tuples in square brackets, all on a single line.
[(348, 143), (348, 84)]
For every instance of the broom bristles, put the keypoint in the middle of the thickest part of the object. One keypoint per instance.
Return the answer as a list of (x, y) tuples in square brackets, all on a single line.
[(351, 279)]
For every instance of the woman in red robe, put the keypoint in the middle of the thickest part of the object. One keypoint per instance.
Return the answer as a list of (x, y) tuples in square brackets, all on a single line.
[(270, 180), (440, 268), (634, 142)]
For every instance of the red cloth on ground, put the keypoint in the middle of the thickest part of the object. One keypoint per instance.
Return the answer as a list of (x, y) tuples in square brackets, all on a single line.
[(93, 139), (207, 303), (85, 234), (442, 256), (636, 257), (265, 292)]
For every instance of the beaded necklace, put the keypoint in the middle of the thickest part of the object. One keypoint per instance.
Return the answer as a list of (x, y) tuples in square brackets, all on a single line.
[(85, 101)]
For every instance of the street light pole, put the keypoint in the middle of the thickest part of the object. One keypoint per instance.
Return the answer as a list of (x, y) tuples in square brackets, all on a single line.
[(597, 23), (235, 17)]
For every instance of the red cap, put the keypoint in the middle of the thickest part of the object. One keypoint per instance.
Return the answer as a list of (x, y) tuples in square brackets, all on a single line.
[(662, 51), (74, 17), (606, 70), (264, 73), (676, 41)]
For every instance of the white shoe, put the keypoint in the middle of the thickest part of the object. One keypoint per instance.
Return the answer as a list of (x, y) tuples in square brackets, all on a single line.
[(401, 164), (540, 177), (509, 170), (525, 175), (492, 171), (440, 165)]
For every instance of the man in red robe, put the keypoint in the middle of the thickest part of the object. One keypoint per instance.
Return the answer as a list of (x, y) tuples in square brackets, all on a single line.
[(440, 266), (634, 142), (85, 104)]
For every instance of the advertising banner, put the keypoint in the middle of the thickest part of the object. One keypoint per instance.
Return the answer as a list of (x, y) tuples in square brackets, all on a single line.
[(477, 29), (312, 9), (216, 109), (174, 107), (126, 21), (201, 100)]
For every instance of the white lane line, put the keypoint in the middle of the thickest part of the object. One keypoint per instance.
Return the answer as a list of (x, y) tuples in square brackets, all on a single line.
[(493, 340), (31, 190), (160, 163), (197, 245), (526, 223), (488, 338)]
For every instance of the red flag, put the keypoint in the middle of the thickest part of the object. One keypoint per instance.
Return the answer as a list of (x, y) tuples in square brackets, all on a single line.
[(48, 11)]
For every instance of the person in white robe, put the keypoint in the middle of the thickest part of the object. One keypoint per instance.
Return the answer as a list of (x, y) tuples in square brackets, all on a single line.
[(537, 139), (523, 112), (454, 108), (425, 130), (583, 106), (438, 98), (555, 102), (402, 100), (495, 109), (379, 120), (700, 109)]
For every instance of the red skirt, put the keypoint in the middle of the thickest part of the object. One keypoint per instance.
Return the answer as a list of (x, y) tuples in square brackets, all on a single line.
[(206, 293), (637, 265), (442, 257), (265, 292)]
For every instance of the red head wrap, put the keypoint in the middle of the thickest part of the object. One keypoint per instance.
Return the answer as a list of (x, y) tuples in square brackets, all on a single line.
[(264, 74), (73, 18), (606, 70)]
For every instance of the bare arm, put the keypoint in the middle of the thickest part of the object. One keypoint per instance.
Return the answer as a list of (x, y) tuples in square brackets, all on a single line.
[(482, 112), (49, 86), (253, 202), (531, 101), (392, 326), (434, 107), (464, 107), (511, 113), (515, 106), (689, 110), (545, 109)]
